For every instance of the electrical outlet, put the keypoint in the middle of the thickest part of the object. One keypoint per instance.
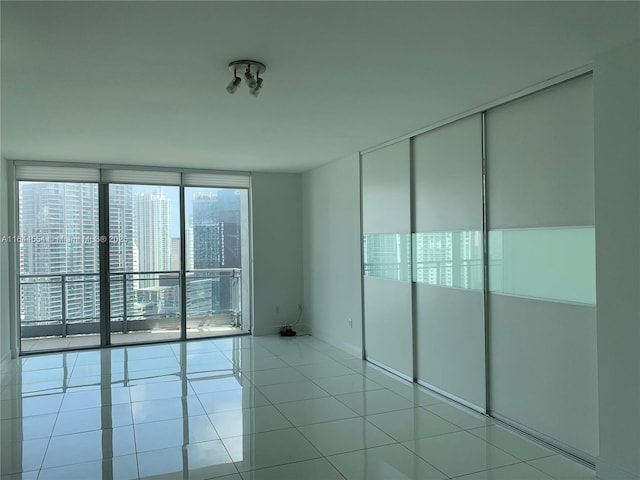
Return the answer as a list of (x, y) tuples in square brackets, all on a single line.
[(277, 308), (350, 323)]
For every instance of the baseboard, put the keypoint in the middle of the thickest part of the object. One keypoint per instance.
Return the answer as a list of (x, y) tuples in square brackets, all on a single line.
[(606, 471)]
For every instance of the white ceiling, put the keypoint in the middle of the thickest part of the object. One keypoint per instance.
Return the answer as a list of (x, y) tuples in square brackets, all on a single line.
[(144, 82)]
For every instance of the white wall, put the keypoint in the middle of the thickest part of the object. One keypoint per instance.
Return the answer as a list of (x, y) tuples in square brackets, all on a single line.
[(331, 246), (277, 250), (5, 331), (617, 189)]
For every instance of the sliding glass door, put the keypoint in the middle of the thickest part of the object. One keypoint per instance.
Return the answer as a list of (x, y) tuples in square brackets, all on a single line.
[(58, 279), (121, 256), (144, 263), (216, 260)]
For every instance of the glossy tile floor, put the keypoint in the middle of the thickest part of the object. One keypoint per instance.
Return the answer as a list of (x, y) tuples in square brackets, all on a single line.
[(246, 408)]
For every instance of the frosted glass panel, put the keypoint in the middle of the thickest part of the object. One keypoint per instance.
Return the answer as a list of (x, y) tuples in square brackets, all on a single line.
[(387, 255), (546, 263), (448, 259)]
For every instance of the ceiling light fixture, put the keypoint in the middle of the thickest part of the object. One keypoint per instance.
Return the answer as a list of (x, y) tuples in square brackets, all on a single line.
[(252, 72)]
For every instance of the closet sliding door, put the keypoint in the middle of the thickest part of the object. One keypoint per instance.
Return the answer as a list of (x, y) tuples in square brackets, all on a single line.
[(386, 247), (448, 260), (542, 317)]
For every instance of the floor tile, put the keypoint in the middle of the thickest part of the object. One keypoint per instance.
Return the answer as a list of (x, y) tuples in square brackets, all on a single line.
[(411, 424), (157, 391), (269, 449), (289, 392), (384, 463), (512, 443), (29, 406), (274, 376), (374, 401), (233, 343), (287, 408), (13, 391), (27, 428), (22, 456), (33, 475), (88, 446), (356, 364), (174, 433), (248, 355), (121, 468), (39, 376), (46, 362), (206, 360), (235, 423), (169, 363), (519, 471), (198, 461), (561, 468), (318, 469), (337, 354), (92, 370), (418, 395), (247, 397), (251, 363), (76, 400), (460, 416), (460, 453), (315, 410), (166, 374), (219, 384), (166, 409), (323, 370), (347, 435), (189, 348), (305, 357), (88, 419), (346, 384), (145, 352)]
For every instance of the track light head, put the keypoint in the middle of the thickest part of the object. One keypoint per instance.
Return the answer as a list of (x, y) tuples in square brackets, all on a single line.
[(233, 85), (256, 90), (250, 79), (252, 72)]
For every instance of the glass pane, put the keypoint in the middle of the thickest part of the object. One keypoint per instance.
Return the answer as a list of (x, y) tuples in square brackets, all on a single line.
[(144, 227), (547, 263), (217, 255), (387, 255), (59, 265), (448, 259)]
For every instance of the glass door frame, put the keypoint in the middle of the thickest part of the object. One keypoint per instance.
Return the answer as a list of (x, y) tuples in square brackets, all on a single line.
[(104, 281)]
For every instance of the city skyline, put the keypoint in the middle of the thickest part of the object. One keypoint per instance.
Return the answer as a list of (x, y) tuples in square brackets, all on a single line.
[(141, 239)]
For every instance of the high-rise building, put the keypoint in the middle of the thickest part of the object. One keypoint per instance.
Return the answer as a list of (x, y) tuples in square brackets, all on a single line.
[(189, 245), (216, 240), (175, 254), (153, 234), (59, 226), (122, 248)]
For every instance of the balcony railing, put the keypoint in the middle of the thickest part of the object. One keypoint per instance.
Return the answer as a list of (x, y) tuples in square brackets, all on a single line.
[(69, 303)]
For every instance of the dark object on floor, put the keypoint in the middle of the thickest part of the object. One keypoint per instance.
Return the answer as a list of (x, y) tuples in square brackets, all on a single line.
[(287, 331)]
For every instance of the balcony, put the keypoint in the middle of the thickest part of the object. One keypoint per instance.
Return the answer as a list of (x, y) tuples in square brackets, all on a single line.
[(63, 310)]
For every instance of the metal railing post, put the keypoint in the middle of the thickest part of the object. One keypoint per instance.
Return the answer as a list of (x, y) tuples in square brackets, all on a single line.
[(63, 283), (125, 319)]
